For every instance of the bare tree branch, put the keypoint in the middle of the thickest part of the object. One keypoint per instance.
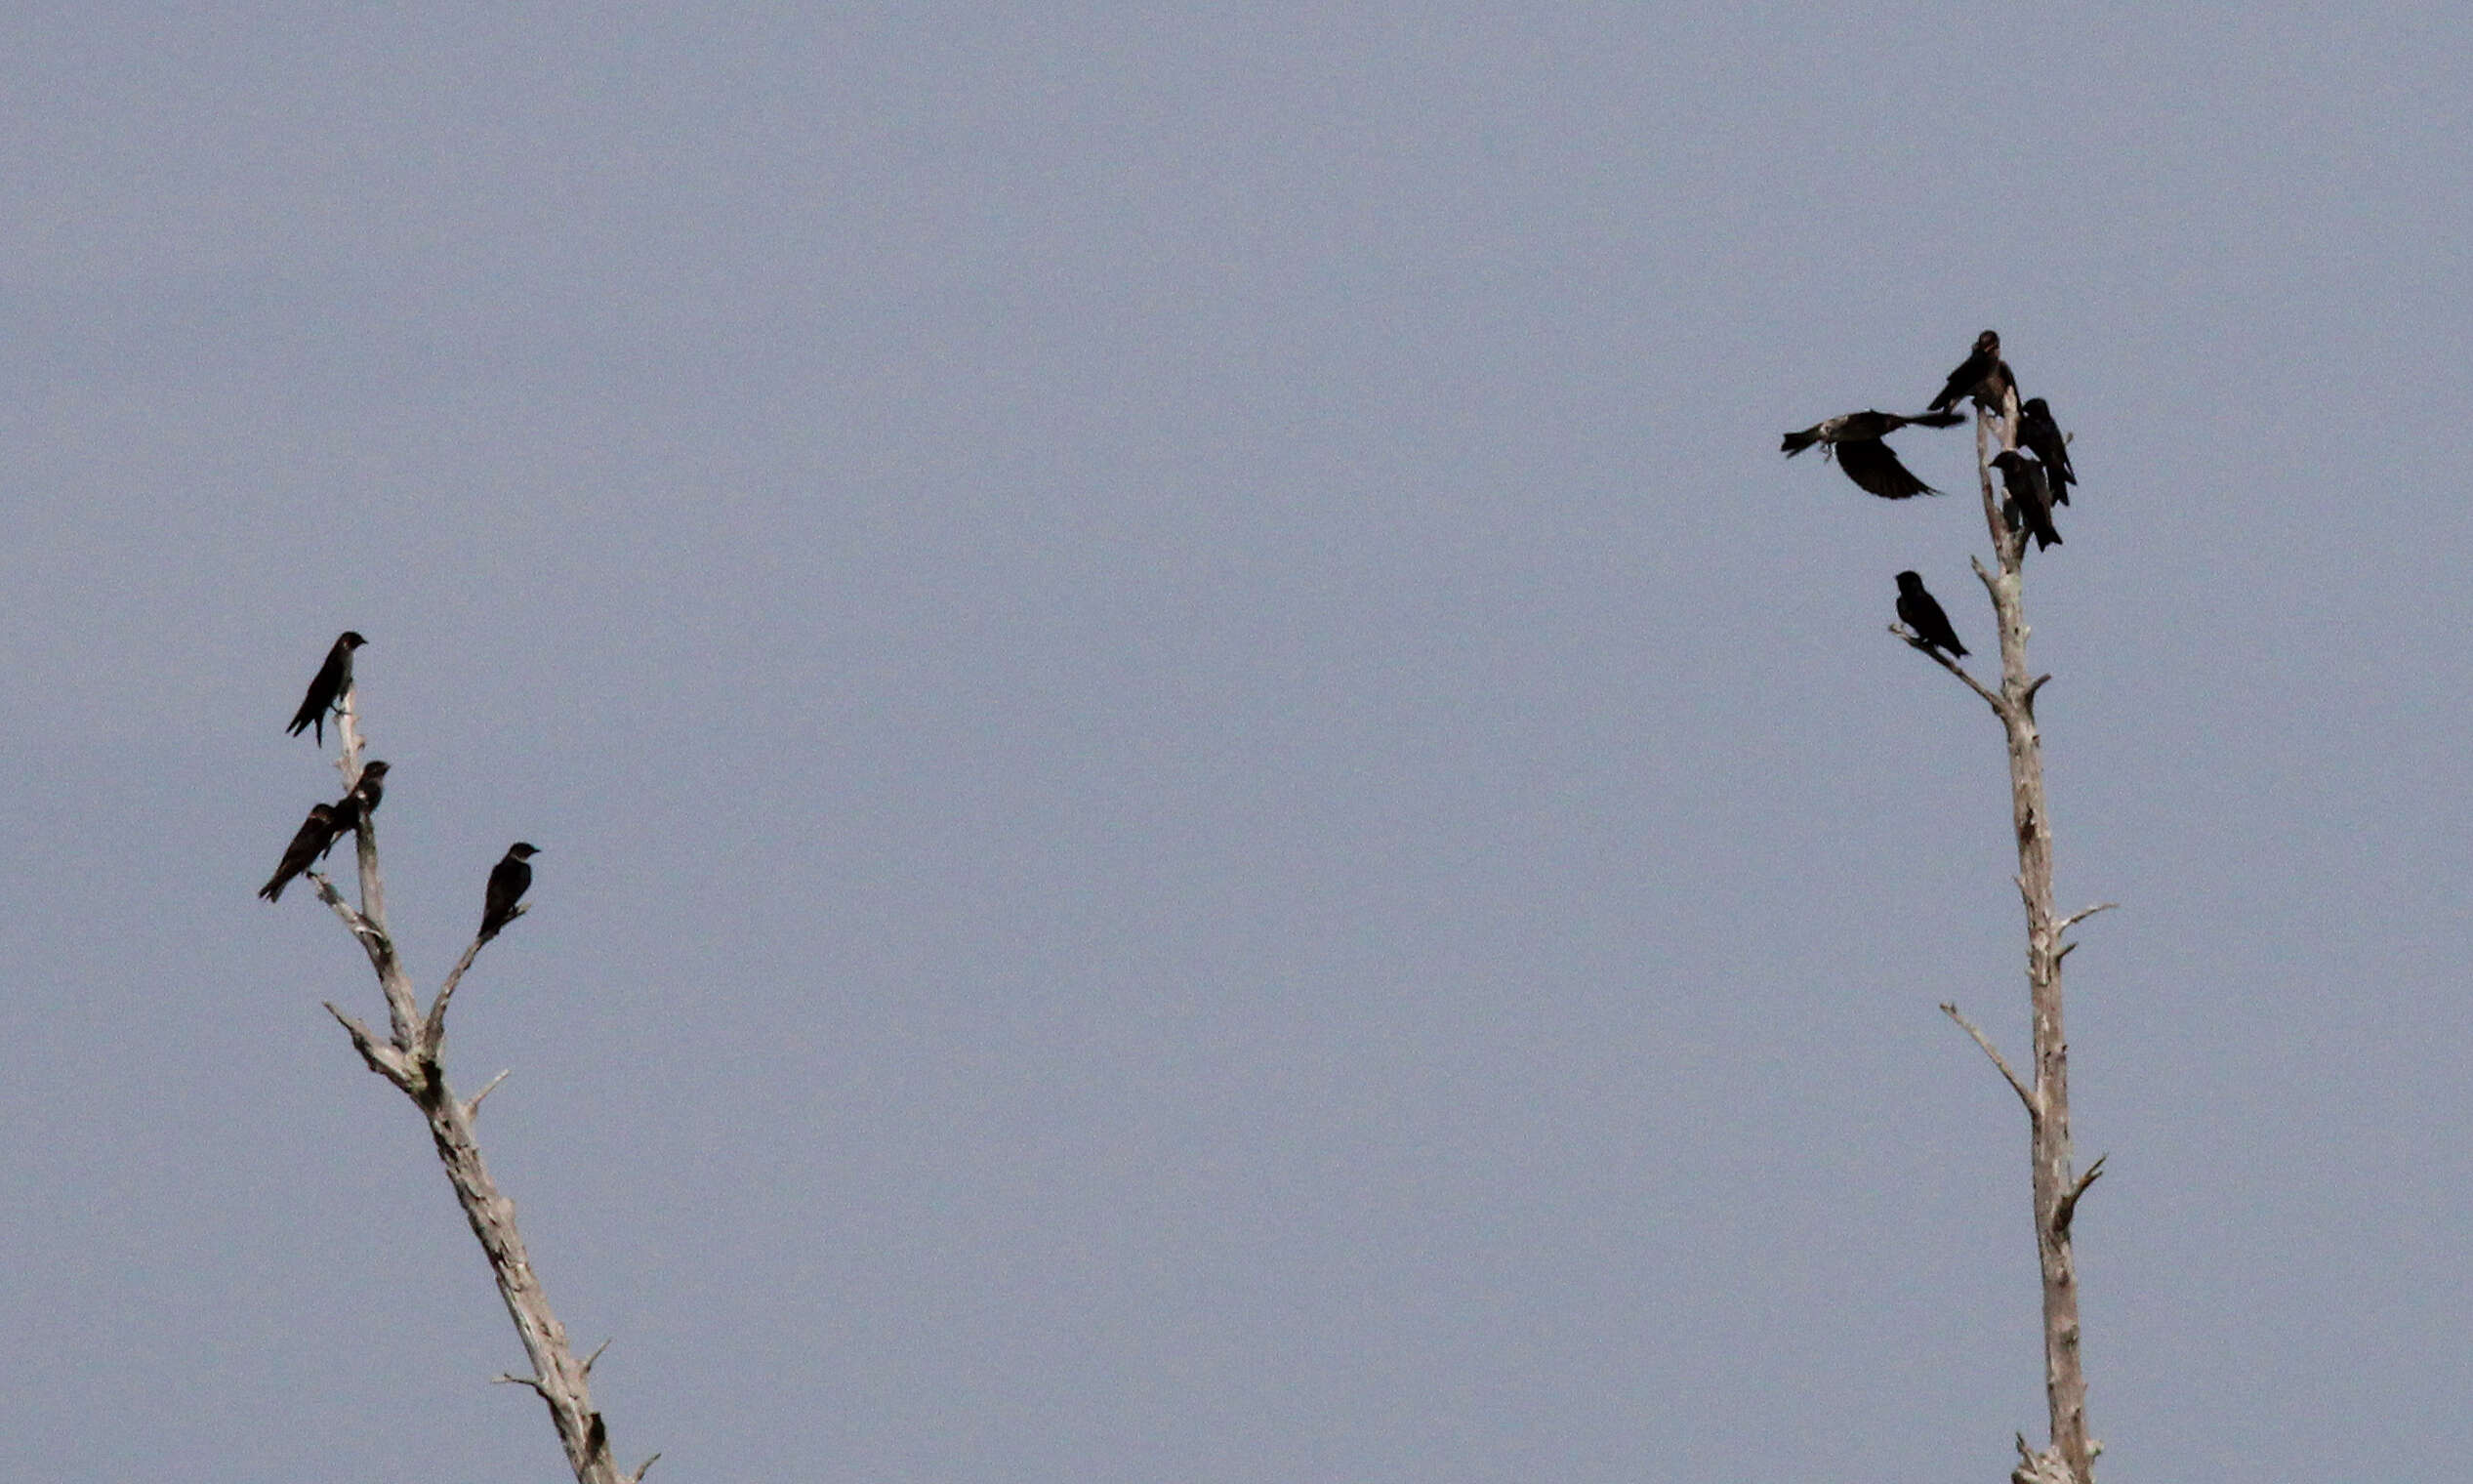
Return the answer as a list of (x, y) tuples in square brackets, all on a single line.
[(434, 1024), (508, 1379), (1916, 641), (589, 1360), (2080, 915), (2024, 1097), (473, 1104), (2070, 1458), (382, 1060), (2045, 1467), (411, 1060), (2067, 1210), (638, 1478), (372, 942)]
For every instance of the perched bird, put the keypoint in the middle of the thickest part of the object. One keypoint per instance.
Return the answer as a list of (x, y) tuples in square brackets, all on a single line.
[(1983, 376), (2030, 502), (2042, 436), (508, 879), (316, 837), (368, 791), (1920, 611), (1855, 438), (334, 677)]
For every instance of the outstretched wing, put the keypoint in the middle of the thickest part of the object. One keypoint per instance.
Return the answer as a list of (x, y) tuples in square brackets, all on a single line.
[(1877, 470), (1966, 378)]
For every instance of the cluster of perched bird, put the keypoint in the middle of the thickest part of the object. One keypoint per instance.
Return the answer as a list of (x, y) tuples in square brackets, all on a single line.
[(328, 823), (2033, 482)]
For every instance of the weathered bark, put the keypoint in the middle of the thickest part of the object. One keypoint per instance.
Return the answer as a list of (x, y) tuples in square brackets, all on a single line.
[(410, 1058), (2047, 1098)]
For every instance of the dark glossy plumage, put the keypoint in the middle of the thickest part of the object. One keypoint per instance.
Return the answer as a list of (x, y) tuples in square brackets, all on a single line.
[(508, 879), (2042, 438), (368, 792), (1982, 375), (1855, 438), (315, 838), (2030, 502), (334, 677), (1920, 611)]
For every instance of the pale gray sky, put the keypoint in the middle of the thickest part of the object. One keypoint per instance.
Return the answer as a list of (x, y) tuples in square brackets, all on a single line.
[(1211, 809)]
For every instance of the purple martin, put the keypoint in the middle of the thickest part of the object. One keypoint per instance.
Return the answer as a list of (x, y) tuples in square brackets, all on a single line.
[(1920, 611), (316, 837), (334, 677), (2030, 502), (508, 879), (368, 791), (1983, 376), (2042, 436), (1855, 438)]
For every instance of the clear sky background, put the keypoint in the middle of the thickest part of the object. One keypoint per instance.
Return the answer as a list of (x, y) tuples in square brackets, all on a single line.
[(1211, 809)]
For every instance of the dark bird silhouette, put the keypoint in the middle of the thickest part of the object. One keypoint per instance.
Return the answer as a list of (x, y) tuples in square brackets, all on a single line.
[(2042, 437), (316, 837), (1983, 376), (1922, 612), (1854, 437), (2030, 502), (334, 677), (368, 792), (508, 879)]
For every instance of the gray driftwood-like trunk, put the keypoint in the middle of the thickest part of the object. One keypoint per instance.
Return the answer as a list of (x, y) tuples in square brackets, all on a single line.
[(2071, 1457), (409, 1056)]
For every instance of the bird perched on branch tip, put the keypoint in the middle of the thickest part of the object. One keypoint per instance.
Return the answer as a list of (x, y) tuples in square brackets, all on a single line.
[(1855, 438), (334, 677), (508, 879), (1921, 612), (1982, 375)]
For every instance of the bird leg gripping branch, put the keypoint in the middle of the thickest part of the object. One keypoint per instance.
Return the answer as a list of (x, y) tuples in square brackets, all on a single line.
[(410, 1057)]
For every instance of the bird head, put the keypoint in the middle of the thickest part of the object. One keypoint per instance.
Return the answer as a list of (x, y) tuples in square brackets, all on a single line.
[(351, 639), (373, 770), (2035, 406), (2009, 460), (1908, 582), (523, 850), (1988, 343), (323, 813)]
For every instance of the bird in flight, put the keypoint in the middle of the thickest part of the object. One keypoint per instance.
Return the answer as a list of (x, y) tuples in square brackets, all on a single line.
[(316, 834), (508, 879), (2030, 502), (1983, 376), (2042, 436), (1920, 611), (334, 677), (1855, 437)]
